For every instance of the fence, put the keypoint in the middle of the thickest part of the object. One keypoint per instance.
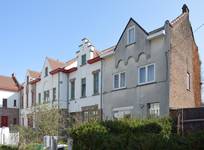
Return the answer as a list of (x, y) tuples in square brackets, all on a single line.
[(7, 138), (188, 119)]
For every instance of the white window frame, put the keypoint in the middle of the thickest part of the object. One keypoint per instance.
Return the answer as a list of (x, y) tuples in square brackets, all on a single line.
[(130, 28), (119, 86), (146, 74), (154, 110)]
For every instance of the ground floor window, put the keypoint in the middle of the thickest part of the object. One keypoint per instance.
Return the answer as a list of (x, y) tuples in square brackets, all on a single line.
[(154, 109), (89, 115), (30, 121), (122, 112)]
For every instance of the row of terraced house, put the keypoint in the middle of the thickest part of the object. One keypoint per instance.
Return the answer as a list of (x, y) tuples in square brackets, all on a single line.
[(145, 73)]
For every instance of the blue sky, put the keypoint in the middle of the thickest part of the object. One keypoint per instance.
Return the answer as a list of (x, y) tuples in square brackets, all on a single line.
[(30, 30)]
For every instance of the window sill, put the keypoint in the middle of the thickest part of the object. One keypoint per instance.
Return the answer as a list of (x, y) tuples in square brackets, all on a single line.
[(146, 83), (119, 89), (82, 65), (129, 44), (95, 94), (71, 99), (83, 97)]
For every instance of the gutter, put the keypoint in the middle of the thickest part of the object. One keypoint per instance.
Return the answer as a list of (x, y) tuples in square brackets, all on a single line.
[(155, 35)]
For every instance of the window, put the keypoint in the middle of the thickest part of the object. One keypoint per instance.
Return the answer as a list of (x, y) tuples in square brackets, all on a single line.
[(46, 71), (83, 59), (5, 103), (146, 74), (96, 82), (122, 79), (33, 98), (46, 96), (188, 79), (14, 121), (119, 80), (154, 109), (72, 82), (14, 103), (83, 87), (54, 94), (22, 102), (86, 116), (39, 98), (116, 81), (89, 115), (131, 35)]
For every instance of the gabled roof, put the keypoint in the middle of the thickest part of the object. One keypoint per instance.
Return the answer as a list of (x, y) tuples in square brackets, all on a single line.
[(54, 64), (8, 84), (131, 19), (34, 74)]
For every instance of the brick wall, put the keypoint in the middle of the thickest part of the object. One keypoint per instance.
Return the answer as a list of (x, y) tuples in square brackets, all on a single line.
[(196, 76), (183, 58)]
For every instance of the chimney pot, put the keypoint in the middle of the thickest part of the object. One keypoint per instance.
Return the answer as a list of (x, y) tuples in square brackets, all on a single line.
[(185, 8)]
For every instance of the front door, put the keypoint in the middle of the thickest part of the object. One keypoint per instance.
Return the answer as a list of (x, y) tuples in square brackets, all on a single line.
[(4, 121)]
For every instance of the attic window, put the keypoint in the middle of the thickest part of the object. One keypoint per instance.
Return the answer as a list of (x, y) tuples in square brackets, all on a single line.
[(83, 59), (46, 71), (131, 35)]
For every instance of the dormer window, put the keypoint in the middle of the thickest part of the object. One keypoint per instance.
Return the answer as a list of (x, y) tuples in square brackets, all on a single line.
[(46, 71), (131, 35), (83, 59)]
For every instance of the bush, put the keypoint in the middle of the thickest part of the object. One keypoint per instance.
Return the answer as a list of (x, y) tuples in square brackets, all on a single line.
[(5, 147), (137, 134), (120, 134)]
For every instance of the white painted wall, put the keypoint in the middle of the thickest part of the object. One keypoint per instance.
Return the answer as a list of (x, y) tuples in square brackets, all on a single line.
[(10, 96), (46, 83), (84, 71)]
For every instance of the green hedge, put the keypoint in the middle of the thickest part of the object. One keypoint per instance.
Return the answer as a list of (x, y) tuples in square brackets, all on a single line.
[(137, 134), (121, 134), (5, 147)]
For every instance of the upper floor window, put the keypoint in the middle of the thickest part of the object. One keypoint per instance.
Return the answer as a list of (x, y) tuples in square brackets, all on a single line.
[(119, 80), (188, 79), (54, 94), (83, 87), (22, 98), (39, 98), (131, 35), (5, 103), (146, 74), (83, 59), (46, 71), (154, 109), (14, 103), (46, 96), (96, 82), (72, 83)]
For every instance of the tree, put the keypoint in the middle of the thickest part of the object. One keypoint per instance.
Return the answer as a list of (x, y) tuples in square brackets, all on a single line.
[(46, 121)]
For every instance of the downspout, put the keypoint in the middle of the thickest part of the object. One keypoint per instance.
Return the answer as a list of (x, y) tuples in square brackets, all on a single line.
[(101, 98), (68, 95), (58, 89)]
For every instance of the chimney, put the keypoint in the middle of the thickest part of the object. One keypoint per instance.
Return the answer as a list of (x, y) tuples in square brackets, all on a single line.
[(15, 80), (185, 9)]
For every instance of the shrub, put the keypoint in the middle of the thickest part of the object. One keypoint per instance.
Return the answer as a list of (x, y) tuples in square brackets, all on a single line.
[(5, 147), (121, 134)]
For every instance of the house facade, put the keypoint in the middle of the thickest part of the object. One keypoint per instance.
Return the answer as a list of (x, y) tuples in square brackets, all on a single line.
[(47, 88), (85, 83), (152, 72), (144, 74), (9, 101)]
